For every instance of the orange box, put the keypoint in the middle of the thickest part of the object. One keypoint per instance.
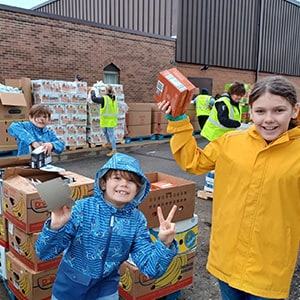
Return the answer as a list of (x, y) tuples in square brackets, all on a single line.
[(27, 284), (22, 204), (134, 285), (173, 86), (182, 193), (163, 184), (22, 244)]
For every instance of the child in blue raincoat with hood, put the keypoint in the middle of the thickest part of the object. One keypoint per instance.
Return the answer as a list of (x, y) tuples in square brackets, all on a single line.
[(98, 233)]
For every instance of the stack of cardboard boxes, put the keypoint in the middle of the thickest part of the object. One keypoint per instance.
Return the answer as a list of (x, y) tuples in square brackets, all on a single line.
[(166, 190), (22, 217), (13, 106)]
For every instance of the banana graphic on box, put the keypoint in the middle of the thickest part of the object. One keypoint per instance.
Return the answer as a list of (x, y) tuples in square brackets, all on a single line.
[(19, 210), (27, 249), (79, 191), (24, 285), (126, 280)]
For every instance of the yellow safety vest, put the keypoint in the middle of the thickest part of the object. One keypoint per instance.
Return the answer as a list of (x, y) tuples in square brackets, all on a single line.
[(213, 128), (109, 113), (202, 105)]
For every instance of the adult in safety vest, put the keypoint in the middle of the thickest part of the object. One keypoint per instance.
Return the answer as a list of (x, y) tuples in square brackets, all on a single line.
[(225, 115), (204, 103), (108, 117)]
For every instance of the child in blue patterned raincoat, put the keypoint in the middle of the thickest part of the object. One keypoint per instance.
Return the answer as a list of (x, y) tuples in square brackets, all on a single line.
[(34, 133), (98, 233)]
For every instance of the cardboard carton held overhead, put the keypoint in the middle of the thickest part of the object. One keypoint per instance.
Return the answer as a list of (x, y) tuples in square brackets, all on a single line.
[(173, 86)]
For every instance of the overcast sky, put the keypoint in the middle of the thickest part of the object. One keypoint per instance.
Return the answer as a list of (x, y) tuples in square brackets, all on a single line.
[(22, 3)]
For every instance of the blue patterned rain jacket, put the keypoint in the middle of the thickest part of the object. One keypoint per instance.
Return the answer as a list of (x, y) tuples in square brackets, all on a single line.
[(98, 238), (26, 133)]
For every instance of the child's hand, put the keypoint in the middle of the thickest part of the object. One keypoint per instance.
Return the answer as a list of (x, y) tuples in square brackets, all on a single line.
[(48, 147), (164, 106), (60, 217), (167, 229)]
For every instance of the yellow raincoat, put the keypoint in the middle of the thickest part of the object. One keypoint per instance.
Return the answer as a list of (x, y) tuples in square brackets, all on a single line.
[(256, 206)]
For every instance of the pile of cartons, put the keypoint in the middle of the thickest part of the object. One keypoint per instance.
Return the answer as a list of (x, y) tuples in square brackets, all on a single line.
[(13, 107), (166, 190), (22, 217), (68, 104)]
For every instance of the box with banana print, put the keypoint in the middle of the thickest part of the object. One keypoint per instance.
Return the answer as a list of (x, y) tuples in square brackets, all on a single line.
[(21, 244), (27, 284), (22, 204), (136, 286)]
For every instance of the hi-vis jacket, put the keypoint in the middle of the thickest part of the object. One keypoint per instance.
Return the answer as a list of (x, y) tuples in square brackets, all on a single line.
[(256, 205), (213, 128), (109, 112), (203, 105)]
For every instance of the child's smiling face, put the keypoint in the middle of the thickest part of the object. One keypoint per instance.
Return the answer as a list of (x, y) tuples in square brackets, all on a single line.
[(40, 121), (271, 115)]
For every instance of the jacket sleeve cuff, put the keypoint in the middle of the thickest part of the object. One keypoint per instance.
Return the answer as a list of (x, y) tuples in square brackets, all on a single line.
[(179, 118)]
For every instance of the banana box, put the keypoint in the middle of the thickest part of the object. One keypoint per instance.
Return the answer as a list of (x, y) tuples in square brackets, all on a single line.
[(186, 234), (2, 262), (3, 232), (22, 244), (22, 204), (27, 284), (134, 285), (166, 191)]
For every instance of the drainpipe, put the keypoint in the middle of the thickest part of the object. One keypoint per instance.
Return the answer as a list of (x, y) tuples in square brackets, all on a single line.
[(262, 7)]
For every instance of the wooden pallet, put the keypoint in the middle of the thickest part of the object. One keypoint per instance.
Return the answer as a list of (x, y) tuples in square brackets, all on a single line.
[(205, 195), (72, 148), (94, 145)]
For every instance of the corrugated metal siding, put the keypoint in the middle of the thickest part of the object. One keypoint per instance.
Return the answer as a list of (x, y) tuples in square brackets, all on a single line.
[(151, 16), (225, 33)]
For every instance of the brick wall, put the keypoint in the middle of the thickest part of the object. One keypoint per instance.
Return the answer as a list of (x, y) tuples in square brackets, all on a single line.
[(43, 48)]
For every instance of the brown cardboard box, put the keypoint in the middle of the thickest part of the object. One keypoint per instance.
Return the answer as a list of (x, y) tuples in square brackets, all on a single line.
[(27, 284), (138, 120), (13, 106), (173, 86), (159, 123), (191, 112), (7, 142), (22, 204), (183, 195), (136, 286), (24, 84), (3, 232), (22, 244)]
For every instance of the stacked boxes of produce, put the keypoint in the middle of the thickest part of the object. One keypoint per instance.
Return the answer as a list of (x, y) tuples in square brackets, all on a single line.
[(68, 103), (138, 120), (166, 190), (25, 212), (15, 102), (159, 122), (95, 134)]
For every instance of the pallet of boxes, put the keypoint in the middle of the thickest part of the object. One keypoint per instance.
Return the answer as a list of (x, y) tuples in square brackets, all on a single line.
[(22, 216), (166, 190)]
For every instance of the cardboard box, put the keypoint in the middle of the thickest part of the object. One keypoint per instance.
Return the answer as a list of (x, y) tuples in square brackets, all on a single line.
[(39, 158), (13, 106), (138, 114), (22, 244), (186, 234), (173, 86), (183, 195), (7, 142), (159, 123), (136, 286), (23, 206), (27, 284), (3, 232)]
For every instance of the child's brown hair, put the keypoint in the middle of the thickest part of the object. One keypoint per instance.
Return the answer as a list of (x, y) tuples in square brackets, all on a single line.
[(39, 109), (124, 174)]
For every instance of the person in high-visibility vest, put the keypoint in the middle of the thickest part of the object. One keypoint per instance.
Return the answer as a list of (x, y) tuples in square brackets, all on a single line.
[(204, 103), (225, 114), (108, 117)]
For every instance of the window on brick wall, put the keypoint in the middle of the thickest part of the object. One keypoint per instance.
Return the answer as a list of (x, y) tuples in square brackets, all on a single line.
[(111, 74)]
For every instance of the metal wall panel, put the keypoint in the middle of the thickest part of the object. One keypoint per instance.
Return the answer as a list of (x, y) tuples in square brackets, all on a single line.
[(151, 16), (256, 35)]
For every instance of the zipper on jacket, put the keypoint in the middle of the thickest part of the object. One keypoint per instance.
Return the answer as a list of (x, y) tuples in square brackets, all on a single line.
[(111, 225)]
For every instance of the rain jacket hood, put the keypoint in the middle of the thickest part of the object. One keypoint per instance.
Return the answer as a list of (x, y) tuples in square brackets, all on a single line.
[(121, 161)]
